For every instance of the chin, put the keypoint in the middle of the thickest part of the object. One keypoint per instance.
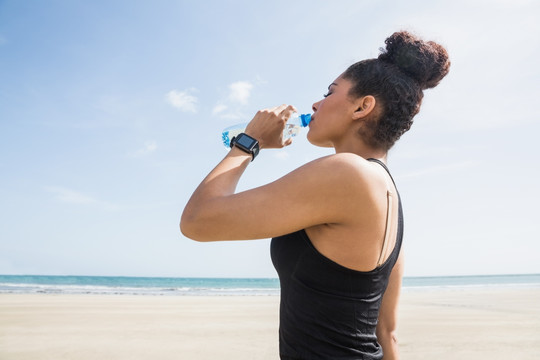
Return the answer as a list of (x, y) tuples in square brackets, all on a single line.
[(318, 142)]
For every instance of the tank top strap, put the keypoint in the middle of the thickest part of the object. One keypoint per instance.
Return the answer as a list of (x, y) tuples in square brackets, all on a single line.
[(385, 168), (399, 234)]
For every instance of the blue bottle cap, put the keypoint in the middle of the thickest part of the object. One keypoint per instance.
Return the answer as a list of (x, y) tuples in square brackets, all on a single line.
[(305, 118)]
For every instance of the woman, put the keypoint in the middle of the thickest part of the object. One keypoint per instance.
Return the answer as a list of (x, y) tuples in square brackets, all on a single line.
[(336, 222)]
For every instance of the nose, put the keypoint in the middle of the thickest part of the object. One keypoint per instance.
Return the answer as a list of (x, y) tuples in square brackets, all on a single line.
[(315, 106)]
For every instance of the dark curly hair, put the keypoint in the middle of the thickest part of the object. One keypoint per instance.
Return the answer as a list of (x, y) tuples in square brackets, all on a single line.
[(397, 79)]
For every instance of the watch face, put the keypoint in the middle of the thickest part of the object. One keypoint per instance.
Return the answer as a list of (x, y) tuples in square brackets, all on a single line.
[(245, 141)]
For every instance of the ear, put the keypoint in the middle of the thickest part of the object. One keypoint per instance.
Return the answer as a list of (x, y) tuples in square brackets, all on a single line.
[(365, 106)]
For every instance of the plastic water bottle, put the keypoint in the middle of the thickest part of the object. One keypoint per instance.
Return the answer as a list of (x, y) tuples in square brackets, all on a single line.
[(292, 128)]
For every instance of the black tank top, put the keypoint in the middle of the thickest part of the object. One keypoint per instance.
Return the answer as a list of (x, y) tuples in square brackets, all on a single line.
[(328, 311)]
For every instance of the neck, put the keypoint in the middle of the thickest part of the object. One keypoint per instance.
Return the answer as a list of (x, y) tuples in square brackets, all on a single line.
[(358, 147)]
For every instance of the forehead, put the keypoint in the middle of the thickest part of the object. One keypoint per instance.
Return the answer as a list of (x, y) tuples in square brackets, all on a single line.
[(341, 82)]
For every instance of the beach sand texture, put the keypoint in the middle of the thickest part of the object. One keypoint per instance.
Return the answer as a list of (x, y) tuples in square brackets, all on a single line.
[(441, 324)]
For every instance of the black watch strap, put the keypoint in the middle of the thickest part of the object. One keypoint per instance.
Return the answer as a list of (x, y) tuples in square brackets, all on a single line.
[(246, 143)]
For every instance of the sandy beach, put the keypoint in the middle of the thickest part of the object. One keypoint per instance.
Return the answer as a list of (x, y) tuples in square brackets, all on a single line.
[(458, 323)]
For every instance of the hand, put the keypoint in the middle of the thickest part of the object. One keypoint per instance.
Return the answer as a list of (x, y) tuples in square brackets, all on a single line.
[(267, 126)]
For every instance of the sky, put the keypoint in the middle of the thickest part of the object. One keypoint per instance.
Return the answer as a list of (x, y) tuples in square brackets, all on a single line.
[(111, 114)]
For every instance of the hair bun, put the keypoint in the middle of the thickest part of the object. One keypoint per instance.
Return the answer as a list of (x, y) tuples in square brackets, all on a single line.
[(426, 62)]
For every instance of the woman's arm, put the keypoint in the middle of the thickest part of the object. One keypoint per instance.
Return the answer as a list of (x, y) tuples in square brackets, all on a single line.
[(291, 203), (327, 190), (388, 315)]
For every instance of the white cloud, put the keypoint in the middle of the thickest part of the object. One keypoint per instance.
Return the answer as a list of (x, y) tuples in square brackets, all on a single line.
[(149, 147), (260, 81), (231, 106), (183, 100), (282, 154), (70, 196), (219, 108), (240, 91)]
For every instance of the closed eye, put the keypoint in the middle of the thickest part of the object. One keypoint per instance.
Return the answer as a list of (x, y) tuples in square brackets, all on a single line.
[(329, 89)]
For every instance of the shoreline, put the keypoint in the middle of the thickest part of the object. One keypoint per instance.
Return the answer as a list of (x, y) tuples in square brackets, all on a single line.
[(465, 323), (256, 292), (71, 284)]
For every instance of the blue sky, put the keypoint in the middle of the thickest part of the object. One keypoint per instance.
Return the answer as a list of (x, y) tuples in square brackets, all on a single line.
[(111, 113)]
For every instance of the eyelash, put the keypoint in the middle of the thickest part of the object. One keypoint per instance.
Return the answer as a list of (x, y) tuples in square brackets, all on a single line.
[(327, 94)]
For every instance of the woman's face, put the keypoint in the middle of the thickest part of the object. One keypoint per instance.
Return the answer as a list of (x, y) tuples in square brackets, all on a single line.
[(331, 115)]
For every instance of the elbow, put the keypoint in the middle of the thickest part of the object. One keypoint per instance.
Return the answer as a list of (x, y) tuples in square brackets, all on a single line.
[(185, 230), (195, 227), (387, 337), (188, 226), (203, 222), (392, 338)]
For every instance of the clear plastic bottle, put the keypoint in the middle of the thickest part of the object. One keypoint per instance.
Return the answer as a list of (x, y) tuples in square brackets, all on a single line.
[(292, 128)]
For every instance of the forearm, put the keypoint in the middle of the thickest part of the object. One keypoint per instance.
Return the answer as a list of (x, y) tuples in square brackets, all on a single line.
[(208, 215), (223, 179), (219, 183), (389, 344)]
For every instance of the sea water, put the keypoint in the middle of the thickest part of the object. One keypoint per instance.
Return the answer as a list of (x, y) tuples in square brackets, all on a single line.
[(119, 285), (137, 285)]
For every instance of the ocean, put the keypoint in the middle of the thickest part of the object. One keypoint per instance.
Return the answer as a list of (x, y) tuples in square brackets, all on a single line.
[(163, 286)]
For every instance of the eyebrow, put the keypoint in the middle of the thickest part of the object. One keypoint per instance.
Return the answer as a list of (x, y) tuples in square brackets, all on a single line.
[(331, 85)]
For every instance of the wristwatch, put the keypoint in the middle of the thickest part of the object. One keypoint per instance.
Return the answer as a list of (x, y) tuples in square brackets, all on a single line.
[(246, 143)]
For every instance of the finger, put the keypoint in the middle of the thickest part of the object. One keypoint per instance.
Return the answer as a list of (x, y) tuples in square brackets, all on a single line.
[(286, 107), (287, 142), (288, 110), (279, 109)]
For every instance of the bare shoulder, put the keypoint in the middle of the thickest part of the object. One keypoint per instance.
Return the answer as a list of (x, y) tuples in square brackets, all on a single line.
[(347, 162), (345, 168)]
